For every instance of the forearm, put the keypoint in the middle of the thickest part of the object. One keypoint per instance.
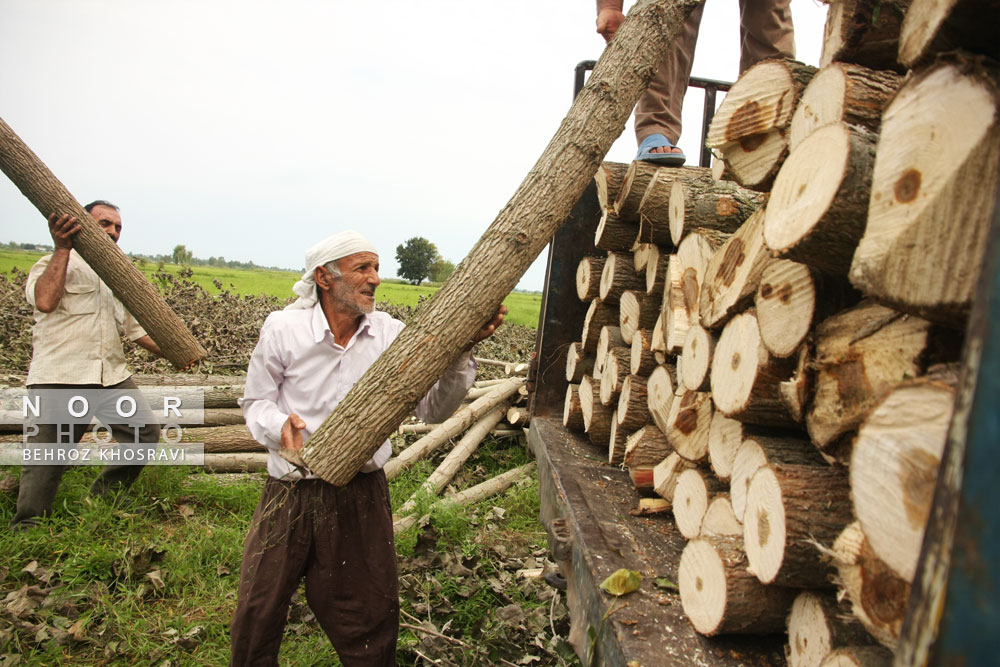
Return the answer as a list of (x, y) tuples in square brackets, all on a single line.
[(149, 344), (613, 5), (51, 285)]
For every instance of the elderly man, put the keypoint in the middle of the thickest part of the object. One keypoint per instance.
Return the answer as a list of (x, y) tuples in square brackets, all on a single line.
[(77, 345), (340, 539)]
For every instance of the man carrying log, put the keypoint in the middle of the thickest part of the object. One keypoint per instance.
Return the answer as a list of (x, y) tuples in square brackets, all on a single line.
[(765, 32), (339, 538), (76, 344)]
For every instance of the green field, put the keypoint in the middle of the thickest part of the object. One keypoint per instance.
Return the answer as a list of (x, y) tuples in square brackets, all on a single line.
[(523, 308)]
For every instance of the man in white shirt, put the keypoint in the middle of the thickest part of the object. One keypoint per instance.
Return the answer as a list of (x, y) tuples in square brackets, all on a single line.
[(340, 539), (76, 343)]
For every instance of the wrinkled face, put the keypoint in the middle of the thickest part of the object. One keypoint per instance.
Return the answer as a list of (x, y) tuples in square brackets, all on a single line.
[(355, 288), (109, 220)]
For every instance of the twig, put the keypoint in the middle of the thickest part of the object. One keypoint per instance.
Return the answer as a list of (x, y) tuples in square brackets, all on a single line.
[(433, 661), (552, 611), (410, 626)]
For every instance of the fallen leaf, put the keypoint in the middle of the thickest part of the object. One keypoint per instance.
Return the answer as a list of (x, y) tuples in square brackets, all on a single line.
[(663, 582), (222, 571), (622, 582), (156, 577)]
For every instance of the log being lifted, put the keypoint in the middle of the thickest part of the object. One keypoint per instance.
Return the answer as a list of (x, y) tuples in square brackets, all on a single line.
[(720, 596), (819, 623), (608, 180), (705, 203), (932, 27), (138, 295), (749, 127), (842, 93), (864, 32), (733, 274), (789, 509), (817, 210), (440, 332), (894, 467), (929, 216)]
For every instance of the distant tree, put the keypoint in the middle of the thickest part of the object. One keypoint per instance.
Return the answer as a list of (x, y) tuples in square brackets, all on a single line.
[(181, 255), (441, 269), (415, 259)]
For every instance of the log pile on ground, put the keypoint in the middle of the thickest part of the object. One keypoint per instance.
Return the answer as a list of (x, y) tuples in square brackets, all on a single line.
[(799, 373)]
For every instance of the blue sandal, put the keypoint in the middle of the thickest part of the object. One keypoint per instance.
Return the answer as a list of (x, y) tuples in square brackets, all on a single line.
[(656, 141)]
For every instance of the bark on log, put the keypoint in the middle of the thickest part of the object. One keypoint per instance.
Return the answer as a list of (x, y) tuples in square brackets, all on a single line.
[(637, 178), (894, 467), (818, 624), (842, 93), (864, 32), (138, 295), (646, 447), (642, 361), (720, 519), (757, 451), (656, 273), (597, 418), (236, 462), (633, 412), (616, 444), (936, 27), (933, 212), (688, 422), (577, 363), (572, 412), (817, 210), (517, 416), (449, 467), (666, 473), (618, 276), (615, 235), (655, 205), (858, 656), (733, 273), (720, 596), (862, 353), (651, 234), (610, 338), (449, 428), (660, 396), (691, 497), (699, 347), (609, 179), (705, 203), (789, 509), (636, 310), (188, 380), (878, 596), (221, 439), (745, 376), (588, 277), (614, 374), (440, 332), (599, 315)]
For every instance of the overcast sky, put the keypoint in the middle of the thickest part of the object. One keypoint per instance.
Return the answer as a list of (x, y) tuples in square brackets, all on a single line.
[(251, 129)]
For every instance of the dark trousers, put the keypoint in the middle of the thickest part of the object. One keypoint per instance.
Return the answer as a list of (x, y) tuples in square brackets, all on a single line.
[(340, 539), (39, 483)]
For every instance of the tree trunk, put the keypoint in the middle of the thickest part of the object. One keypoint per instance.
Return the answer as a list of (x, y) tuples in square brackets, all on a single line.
[(618, 276), (733, 273), (688, 422), (705, 203), (615, 235), (577, 363), (699, 347), (572, 412), (691, 496), (878, 596), (588, 277), (721, 597), (864, 32), (637, 311), (660, 396), (781, 524), (449, 428), (646, 447), (440, 332), (817, 624), (609, 179), (666, 473), (758, 451), (861, 354), (138, 295), (637, 178), (936, 27), (642, 361), (816, 213), (842, 93), (720, 519), (894, 467), (929, 216), (633, 412), (745, 377)]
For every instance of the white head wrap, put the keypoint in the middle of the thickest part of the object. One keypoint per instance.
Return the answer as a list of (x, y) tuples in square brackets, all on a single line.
[(335, 247)]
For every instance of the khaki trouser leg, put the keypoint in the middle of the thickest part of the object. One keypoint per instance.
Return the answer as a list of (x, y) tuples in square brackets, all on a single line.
[(765, 31)]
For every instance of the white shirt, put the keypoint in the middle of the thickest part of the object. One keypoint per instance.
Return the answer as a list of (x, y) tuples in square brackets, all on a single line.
[(80, 341), (299, 367)]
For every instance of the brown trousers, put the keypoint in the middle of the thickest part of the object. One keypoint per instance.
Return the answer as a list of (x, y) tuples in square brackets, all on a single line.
[(765, 32), (341, 541)]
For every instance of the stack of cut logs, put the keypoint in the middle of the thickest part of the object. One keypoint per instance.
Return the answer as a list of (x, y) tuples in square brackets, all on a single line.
[(770, 345)]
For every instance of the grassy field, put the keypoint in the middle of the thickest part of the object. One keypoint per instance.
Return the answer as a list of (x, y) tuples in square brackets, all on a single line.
[(523, 308)]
